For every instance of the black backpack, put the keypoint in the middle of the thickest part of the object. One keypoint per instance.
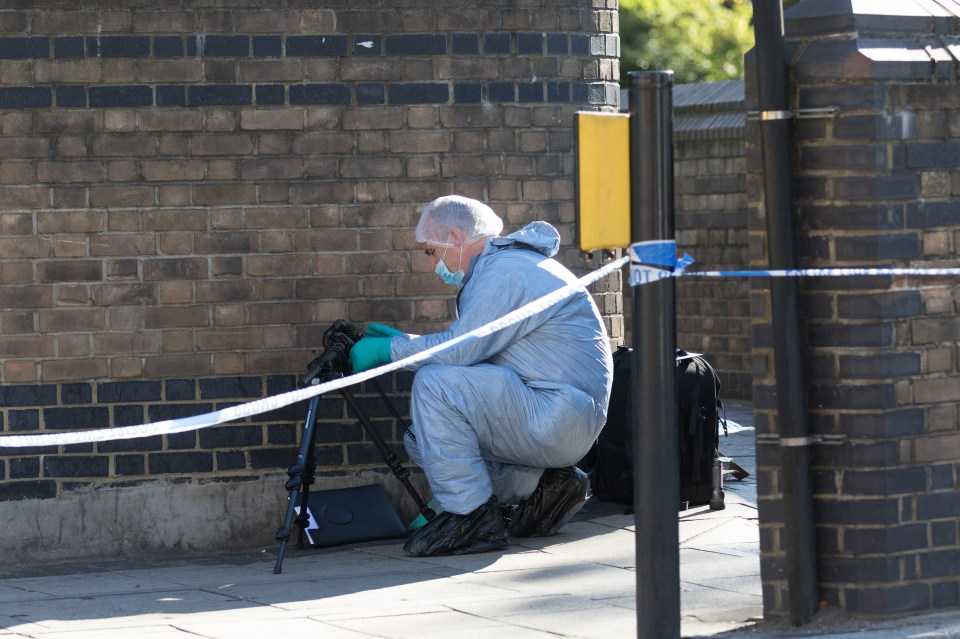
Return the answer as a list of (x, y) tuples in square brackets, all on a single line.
[(610, 462)]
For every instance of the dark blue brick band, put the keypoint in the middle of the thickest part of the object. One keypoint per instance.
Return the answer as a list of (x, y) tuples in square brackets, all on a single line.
[(179, 389), (219, 94), (557, 44), (168, 46), (172, 95), (110, 96), (532, 92), (85, 417), (25, 98), (76, 394), (218, 46), (68, 47), (316, 45), (230, 387), (530, 43), (467, 92), (24, 419), (271, 94), (71, 97), (412, 44), (267, 46), (23, 48), (320, 94), (496, 42), (127, 392), (500, 92), (580, 44), (558, 91), (127, 415), (42, 395), (370, 93), (465, 43), (418, 93), (118, 47), (367, 45)]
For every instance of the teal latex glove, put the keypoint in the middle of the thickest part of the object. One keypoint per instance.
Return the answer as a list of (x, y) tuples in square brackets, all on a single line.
[(382, 330), (370, 352)]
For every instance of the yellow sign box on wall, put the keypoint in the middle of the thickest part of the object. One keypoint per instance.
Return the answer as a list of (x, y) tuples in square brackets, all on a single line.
[(603, 179)]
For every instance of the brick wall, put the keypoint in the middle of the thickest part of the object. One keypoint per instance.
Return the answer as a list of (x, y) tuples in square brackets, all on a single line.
[(191, 194), (710, 220), (876, 184)]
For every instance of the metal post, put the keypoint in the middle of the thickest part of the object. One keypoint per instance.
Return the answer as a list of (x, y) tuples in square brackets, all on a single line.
[(656, 487), (774, 105)]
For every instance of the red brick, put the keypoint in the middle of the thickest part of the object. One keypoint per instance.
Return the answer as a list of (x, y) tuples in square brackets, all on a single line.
[(229, 339), (16, 172), (20, 371), (225, 194), (273, 265), (16, 273), (288, 217), (71, 222), (121, 196), (35, 346), (272, 119), (71, 320), (175, 269), (58, 370), (108, 244), (169, 170), (188, 366), (222, 145), (24, 247), (280, 313), (176, 317), (124, 343)]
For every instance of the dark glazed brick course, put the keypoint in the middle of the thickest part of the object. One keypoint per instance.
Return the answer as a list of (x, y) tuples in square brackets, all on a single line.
[(320, 94), (180, 389), (69, 466), (228, 436), (219, 94), (371, 93), (118, 47), (271, 94), (68, 47), (161, 412), (530, 43), (180, 463), (71, 97), (76, 393), (532, 92), (127, 465), (23, 48), (267, 46), (25, 97), (413, 44), (496, 42), (316, 45), (218, 46), (418, 93), (114, 96), (24, 468), (171, 95), (501, 92), (230, 387), (127, 392), (467, 92), (24, 420), (168, 46), (558, 44), (20, 490), (76, 417), (367, 45), (42, 395), (878, 247)]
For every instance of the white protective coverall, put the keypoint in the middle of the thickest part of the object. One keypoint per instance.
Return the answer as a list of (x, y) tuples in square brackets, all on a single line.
[(489, 415)]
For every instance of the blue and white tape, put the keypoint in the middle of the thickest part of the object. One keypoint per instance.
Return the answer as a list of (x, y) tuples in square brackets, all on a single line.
[(278, 401)]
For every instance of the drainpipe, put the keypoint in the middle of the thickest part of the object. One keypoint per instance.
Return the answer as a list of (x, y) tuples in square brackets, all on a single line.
[(774, 107)]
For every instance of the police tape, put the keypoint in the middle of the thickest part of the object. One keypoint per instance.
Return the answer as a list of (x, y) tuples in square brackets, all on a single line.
[(274, 402), (656, 260)]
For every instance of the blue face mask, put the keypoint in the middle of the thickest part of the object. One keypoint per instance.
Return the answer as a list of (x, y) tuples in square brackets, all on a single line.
[(449, 277)]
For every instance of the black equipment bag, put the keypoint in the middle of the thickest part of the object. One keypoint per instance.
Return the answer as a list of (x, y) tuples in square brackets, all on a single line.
[(610, 461)]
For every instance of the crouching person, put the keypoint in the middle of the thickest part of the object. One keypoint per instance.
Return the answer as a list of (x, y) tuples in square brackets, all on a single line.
[(498, 422)]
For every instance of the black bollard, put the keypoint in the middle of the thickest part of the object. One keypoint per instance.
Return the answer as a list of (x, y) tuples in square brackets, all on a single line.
[(655, 440)]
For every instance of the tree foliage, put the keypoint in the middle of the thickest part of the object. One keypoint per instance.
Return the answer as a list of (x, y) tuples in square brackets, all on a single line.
[(699, 40)]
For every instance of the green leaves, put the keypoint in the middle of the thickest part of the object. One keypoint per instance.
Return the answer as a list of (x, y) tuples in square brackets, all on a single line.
[(699, 40)]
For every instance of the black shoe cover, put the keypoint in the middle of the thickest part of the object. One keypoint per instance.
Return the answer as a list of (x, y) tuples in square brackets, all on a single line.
[(448, 534), (561, 493)]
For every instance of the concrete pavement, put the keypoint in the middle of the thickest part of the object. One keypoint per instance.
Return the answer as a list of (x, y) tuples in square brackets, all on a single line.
[(579, 583)]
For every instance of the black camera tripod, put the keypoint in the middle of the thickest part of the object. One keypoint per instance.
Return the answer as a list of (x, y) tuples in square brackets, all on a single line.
[(330, 365)]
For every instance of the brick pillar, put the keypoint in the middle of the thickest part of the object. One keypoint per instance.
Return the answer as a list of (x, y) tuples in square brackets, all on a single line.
[(876, 184)]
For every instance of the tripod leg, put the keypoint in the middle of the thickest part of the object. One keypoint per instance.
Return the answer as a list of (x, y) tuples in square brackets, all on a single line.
[(301, 476), (389, 457)]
